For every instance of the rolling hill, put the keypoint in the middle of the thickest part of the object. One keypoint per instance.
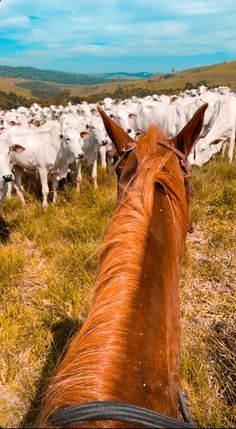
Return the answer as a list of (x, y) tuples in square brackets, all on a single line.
[(30, 84), (32, 73)]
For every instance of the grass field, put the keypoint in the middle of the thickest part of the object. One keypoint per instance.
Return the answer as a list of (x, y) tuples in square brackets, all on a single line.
[(48, 266)]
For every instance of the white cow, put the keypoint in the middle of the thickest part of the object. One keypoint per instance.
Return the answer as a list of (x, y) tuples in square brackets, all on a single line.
[(99, 138), (6, 175), (94, 141), (123, 118), (168, 116), (221, 134), (46, 152), (75, 121)]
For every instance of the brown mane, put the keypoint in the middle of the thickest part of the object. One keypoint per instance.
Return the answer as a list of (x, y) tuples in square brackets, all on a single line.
[(128, 348)]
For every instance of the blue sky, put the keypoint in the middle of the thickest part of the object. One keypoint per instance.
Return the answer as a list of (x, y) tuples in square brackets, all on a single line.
[(95, 36)]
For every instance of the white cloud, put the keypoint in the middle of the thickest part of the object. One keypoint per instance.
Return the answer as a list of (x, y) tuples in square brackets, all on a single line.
[(67, 28), (18, 21), (198, 7)]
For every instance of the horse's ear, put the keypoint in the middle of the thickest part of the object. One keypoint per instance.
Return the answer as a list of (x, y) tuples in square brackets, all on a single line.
[(117, 135), (186, 138)]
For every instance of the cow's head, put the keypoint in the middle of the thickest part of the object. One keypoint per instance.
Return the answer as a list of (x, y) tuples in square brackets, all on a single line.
[(6, 174), (73, 142), (98, 132)]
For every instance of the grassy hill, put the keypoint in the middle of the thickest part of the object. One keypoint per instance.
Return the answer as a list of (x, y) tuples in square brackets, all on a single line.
[(49, 75), (211, 76), (67, 78), (47, 87)]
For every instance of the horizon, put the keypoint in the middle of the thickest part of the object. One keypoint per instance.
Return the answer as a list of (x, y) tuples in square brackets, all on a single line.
[(109, 72), (83, 37)]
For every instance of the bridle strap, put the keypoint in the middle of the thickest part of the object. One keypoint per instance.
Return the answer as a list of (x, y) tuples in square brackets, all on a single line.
[(187, 170), (186, 167), (183, 158), (115, 411), (124, 154), (173, 148)]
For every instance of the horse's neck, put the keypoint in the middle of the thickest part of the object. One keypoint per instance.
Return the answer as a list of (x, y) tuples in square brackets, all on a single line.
[(141, 345), (160, 297), (128, 349)]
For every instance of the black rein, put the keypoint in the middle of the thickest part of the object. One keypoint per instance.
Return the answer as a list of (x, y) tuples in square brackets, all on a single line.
[(115, 411)]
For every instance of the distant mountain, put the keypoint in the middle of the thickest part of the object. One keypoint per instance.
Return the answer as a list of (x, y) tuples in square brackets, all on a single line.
[(125, 75), (32, 73)]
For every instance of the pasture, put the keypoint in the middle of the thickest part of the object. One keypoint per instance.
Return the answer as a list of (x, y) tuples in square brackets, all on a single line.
[(48, 265)]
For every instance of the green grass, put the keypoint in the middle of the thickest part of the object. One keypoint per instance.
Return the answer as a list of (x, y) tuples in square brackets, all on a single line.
[(48, 266)]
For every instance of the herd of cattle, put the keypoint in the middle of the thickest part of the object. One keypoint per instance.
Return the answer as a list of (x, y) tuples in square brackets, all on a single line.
[(56, 140)]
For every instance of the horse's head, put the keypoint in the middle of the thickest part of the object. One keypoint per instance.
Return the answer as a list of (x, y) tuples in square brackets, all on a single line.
[(153, 145)]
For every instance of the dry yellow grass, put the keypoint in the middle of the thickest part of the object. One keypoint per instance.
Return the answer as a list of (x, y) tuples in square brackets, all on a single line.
[(9, 85)]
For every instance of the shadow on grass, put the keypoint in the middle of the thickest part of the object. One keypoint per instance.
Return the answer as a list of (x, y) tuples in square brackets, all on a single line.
[(62, 333), (33, 188), (31, 184), (4, 231)]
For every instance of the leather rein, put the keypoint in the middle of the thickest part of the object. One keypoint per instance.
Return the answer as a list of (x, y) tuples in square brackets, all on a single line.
[(119, 412)]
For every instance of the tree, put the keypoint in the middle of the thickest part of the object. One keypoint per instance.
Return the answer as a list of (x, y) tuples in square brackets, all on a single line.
[(188, 85)]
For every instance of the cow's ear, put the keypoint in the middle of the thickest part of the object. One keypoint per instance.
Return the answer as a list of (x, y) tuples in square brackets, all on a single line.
[(117, 135), (16, 148), (186, 138)]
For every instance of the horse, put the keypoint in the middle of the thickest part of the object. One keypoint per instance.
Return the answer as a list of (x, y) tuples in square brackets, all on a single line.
[(128, 349)]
